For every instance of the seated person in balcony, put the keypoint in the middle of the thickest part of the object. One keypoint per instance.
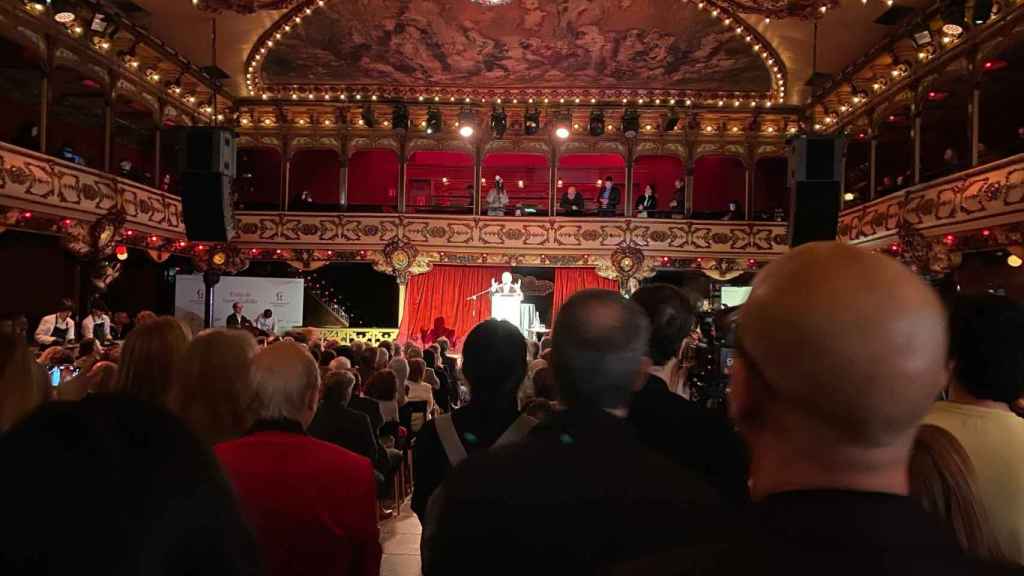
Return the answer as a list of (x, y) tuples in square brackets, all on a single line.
[(647, 202), (608, 197), (497, 198), (733, 213), (678, 203), (571, 202)]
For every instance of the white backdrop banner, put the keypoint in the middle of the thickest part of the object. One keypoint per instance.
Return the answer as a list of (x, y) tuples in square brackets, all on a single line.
[(283, 296)]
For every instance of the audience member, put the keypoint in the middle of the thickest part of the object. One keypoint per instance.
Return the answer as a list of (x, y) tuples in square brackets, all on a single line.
[(121, 325), (418, 389), (383, 388), (580, 494), (988, 376), (451, 369), (841, 353), (149, 358), (493, 364), (312, 505), (382, 359), (336, 423), (143, 317), (114, 485), (943, 481), (361, 403), (442, 393), (400, 366), (89, 352), (211, 390), (340, 363), (23, 384), (102, 378), (682, 431), (366, 363)]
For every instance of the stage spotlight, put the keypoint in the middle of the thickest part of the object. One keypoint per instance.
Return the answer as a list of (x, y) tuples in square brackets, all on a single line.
[(434, 121), (596, 122), (34, 6), (563, 127), (671, 122), (953, 17), (499, 122), (467, 123), (630, 122), (922, 37), (367, 116), (400, 117), (531, 121)]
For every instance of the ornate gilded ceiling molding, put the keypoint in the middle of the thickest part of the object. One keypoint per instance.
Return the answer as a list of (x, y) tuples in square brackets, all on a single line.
[(257, 85), (779, 9), (243, 6)]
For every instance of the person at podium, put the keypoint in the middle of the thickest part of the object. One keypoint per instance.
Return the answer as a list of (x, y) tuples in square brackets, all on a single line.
[(507, 287)]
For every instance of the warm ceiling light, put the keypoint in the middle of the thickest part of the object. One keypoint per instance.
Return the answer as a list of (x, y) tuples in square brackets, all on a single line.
[(848, 197), (1014, 261), (466, 131)]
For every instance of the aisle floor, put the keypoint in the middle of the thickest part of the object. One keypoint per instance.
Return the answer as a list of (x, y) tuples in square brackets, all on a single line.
[(400, 539)]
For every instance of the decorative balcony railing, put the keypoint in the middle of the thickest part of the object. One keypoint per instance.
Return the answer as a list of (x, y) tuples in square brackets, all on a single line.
[(981, 199), (30, 181)]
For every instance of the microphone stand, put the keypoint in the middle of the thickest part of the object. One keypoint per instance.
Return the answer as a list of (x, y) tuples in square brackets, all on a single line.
[(478, 294)]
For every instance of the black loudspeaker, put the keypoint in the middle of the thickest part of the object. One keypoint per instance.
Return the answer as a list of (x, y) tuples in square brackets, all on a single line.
[(203, 149), (816, 158), (206, 206), (814, 212)]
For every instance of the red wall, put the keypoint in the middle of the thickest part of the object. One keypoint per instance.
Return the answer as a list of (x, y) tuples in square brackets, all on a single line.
[(318, 171), (424, 179), (770, 184), (661, 172), (718, 180), (532, 169), (373, 178), (584, 170)]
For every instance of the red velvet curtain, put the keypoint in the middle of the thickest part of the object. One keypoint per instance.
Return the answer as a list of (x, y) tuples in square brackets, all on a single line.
[(569, 281), (442, 293)]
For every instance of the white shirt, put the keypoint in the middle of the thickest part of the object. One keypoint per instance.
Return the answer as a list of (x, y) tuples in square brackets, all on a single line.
[(994, 440), (90, 321), (268, 325), (48, 323), (420, 391)]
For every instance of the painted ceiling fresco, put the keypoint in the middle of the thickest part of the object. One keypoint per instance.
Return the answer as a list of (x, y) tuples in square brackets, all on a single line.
[(664, 44)]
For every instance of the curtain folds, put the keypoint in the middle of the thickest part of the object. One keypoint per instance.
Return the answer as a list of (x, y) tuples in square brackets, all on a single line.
[(568, 281), (442, 293)]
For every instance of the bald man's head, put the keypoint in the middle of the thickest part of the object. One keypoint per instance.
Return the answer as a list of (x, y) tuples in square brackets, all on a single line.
[(840, 348)]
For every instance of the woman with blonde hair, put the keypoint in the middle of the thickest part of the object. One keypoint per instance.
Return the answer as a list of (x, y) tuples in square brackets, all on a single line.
[(942, 480), (23, 385), (149, 358), (211, 390), (419, 390), (383, 357)]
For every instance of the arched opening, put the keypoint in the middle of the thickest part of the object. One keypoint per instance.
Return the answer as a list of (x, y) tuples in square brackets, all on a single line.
[(133, 140), (525, 178), (857, 174), (258, 181), (372, 181), (589, 173), (894, 155), (74, 129), (20, 89), (771, 189), (1001, 122), (660, 173), (945, 128), (719, 186), (439, 182), (314, 181)]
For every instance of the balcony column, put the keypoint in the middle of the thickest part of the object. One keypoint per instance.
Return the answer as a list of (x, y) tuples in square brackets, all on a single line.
[(915, 136), (156, 144), (748, 183), (688, 209), (403, 167), (628, 195), (478, 174), (553, 179), (974, 115), (343, 170), (872, 165), (286, 164), (45, 94), (108, 123)]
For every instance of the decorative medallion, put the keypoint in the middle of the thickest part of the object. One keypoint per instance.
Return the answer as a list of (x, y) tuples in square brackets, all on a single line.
[(224, 258), (928, 258), (626, 263), (400, 259), (96, 240)]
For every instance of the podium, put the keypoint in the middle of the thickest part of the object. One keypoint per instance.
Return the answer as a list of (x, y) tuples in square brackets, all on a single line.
[(506, 307)]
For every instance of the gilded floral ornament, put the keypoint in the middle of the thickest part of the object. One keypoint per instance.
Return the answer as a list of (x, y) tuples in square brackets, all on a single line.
[(400, 259)]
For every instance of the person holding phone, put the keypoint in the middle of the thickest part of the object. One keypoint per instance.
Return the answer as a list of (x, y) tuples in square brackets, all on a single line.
[(57, 328)]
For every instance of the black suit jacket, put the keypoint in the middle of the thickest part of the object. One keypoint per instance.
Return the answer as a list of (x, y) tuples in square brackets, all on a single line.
[(614, 196), (578, 494), (369, 407), (835, 532), (692, 437), (237, 321), (347, 428), (647, 202)]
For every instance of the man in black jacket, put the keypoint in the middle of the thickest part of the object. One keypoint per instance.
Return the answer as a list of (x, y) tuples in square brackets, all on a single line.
[(679, 429), (580, 493), (336, 423)]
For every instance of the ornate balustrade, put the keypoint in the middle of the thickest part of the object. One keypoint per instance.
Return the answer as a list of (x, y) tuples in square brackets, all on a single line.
[(33, 182), (983, 198), (344, 335)]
